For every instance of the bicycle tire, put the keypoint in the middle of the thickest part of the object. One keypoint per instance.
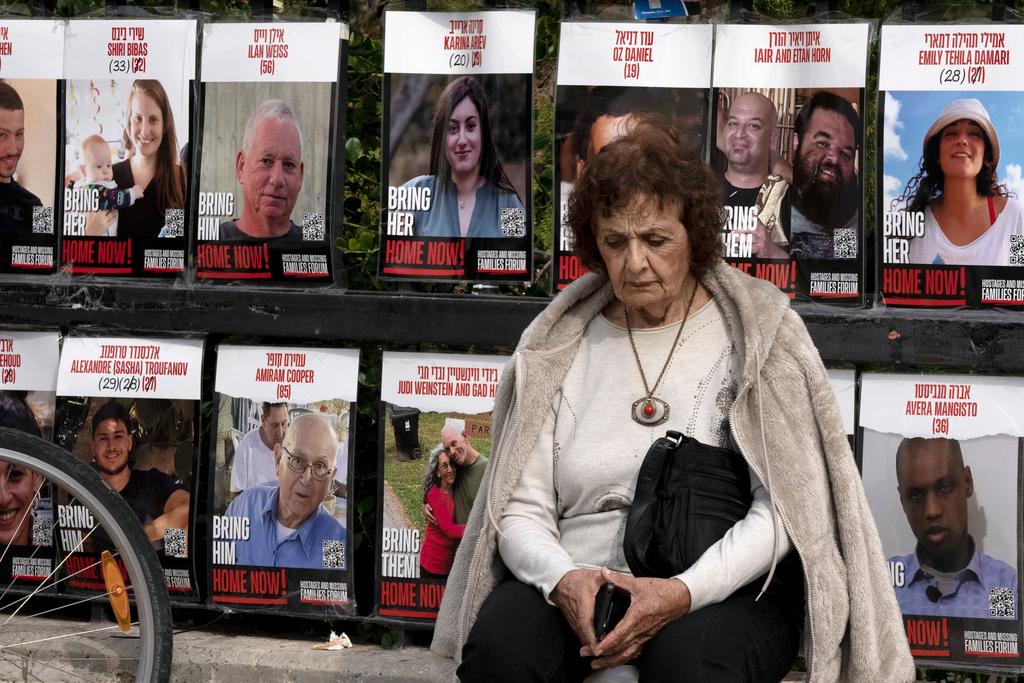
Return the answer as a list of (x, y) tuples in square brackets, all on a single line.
[(119, 522)]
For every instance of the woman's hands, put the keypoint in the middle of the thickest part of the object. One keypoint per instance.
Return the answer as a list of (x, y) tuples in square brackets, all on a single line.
[(654, 603), (574, 595)]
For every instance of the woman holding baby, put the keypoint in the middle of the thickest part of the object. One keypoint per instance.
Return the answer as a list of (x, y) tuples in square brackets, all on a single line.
[(151, 172)]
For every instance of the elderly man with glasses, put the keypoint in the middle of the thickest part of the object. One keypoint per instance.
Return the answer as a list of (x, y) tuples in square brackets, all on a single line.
[(288, 527)]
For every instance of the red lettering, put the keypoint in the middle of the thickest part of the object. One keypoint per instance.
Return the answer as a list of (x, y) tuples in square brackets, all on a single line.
[(214, 256)]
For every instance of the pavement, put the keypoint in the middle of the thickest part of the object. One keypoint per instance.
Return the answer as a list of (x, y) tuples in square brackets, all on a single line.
[(245, 648)]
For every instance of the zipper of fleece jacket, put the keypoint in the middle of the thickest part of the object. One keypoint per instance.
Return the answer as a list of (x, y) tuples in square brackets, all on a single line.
[(785, 523), (474, 559)]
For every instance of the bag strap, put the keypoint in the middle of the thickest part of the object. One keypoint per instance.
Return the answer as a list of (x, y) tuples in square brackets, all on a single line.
[(644, 495)]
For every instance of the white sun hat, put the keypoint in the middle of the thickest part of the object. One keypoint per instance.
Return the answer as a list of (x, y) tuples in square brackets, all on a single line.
[(972, 110)]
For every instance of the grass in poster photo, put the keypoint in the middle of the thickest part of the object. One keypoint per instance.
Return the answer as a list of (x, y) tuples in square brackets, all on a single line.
[(446, 452), (954, 160), (125, 141), (28, 122), (465, 142), (790, 162), (143, 448), (266, 154)]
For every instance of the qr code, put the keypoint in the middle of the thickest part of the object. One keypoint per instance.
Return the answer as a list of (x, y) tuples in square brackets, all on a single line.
[(312, 226), (42, 532), (334, 554), (174, 223), (1001, 602), (1017, 250), (513, 222), (174, 543), (845, 245), (42, 220)]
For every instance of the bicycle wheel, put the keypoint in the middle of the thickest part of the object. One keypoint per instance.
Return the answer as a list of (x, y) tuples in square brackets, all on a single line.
[(27, 632)]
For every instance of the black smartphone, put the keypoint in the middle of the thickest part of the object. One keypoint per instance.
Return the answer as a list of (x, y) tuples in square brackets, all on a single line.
[(610, 605)]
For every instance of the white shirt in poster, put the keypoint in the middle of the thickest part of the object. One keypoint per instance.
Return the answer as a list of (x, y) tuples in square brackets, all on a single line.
[(254, 463), (992, 248)]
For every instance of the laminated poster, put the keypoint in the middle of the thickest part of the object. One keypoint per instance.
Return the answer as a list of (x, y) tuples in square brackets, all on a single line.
[(436, 427), (270, 116), (31, 66), (941, 464), (951, 223), (126, 145), (129, 407), (789, 129), (611, 76), (28, 383), (281, 464), (844, 384), (455, 173)]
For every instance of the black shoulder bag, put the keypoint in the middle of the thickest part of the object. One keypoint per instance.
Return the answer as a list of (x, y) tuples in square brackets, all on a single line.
[(688, 494)]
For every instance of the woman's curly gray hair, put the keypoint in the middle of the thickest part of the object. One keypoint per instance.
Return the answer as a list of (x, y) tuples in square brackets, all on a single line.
[(430, 477)]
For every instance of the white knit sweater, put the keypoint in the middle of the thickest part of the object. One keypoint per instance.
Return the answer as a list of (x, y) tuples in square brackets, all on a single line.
[(569, 508)]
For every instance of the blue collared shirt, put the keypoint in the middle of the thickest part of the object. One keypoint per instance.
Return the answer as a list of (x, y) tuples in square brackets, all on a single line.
[(303, 548), (975, 586)]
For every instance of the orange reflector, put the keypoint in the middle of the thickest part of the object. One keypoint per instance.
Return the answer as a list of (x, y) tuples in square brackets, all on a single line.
[(117, 592)]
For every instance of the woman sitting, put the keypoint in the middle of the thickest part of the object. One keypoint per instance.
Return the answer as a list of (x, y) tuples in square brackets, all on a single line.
[(663, 335), (441, 539)]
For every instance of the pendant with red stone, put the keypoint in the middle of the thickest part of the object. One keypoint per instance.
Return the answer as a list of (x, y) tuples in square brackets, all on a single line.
[(649, 411)]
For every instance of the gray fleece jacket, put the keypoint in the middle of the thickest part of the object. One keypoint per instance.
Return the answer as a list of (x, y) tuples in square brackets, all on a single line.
[(854, 631)]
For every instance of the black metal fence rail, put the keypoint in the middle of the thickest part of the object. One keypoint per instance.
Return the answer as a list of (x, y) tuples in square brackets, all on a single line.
[(978, 341)]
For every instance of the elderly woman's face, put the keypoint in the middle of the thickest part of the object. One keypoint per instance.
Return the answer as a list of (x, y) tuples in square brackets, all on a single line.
[(646, 251), (462, 142), (961, 149), (445, 470)]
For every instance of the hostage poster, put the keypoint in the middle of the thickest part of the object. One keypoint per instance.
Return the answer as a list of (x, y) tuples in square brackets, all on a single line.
[(280, 468), (436, 443), (951, 226), (271, 113), (129, 407), (126, 146), (941, 463), (789, 129), (611, 77), (28, 380), (31, 66), (844, 384), (455, 172)]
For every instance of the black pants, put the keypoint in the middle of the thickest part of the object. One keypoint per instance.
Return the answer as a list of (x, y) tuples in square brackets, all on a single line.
[(519, 637)]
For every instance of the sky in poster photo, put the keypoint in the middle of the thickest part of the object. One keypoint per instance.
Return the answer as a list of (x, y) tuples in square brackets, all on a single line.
[(908, 116)]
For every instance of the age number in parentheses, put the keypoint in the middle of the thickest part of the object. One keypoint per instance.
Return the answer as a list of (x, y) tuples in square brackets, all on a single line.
[(8, 376), (127, 65), (118, 383), (463, 60), (968, 75)]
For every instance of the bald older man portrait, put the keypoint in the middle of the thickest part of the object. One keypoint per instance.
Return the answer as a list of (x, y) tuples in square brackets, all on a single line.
[(754, 196), (947, 574), (269, 168), (288, 526)]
